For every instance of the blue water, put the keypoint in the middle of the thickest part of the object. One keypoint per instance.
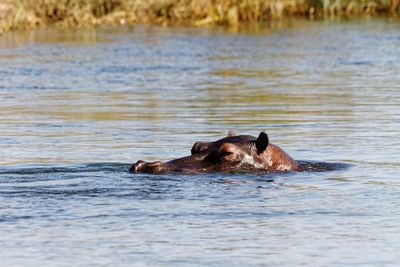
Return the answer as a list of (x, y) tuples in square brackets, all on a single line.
[(78, 107)]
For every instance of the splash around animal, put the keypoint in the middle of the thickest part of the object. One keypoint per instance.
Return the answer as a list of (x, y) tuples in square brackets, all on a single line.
[(233, 153)]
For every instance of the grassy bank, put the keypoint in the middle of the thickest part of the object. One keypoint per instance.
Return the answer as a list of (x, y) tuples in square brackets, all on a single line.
[(23, 14)]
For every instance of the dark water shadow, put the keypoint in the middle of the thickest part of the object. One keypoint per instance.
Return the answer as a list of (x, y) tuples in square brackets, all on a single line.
[(320, 166), (78, 168), (305, 166)]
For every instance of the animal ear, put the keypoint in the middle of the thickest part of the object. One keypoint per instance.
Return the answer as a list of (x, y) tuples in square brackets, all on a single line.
[(262, 142), (231, 133)]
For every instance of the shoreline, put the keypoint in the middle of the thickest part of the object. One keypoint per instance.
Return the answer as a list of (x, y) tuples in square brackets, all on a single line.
[(28, 14)]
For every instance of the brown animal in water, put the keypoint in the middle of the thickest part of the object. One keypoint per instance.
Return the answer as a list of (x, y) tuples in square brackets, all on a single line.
[(229, 154)]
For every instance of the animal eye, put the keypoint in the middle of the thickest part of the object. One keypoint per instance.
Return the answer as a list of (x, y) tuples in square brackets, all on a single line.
[(225, 153)]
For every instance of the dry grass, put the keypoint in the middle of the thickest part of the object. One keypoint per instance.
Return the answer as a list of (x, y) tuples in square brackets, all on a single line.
[(33, 13)]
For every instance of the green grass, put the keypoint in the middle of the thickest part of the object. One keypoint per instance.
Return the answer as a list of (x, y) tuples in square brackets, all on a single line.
[(75, 13)]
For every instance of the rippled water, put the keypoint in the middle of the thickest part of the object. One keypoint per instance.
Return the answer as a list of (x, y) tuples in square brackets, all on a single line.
[(77, 107)]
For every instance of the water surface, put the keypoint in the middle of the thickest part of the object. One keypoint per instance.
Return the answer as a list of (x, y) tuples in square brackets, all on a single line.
[(78, 107)]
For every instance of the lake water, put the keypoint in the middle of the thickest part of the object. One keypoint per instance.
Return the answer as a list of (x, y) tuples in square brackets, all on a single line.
[(78, 107)]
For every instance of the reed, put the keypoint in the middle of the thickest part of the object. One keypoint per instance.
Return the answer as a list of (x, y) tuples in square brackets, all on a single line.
[(75, 13)]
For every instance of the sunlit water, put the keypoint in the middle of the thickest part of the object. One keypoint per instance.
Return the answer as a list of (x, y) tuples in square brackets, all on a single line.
[(77, 107)]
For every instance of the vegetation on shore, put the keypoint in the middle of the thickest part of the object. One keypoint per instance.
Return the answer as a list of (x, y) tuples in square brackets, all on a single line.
[(23, 14)]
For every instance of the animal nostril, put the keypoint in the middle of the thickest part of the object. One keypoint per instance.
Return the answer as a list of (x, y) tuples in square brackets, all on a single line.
[(132, 168), (137, 166)]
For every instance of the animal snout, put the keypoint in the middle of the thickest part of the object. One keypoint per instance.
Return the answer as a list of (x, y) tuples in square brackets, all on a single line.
[(142, 166)]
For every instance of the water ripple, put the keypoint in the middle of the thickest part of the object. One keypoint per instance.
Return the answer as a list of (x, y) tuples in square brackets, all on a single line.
[(78, 107)]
